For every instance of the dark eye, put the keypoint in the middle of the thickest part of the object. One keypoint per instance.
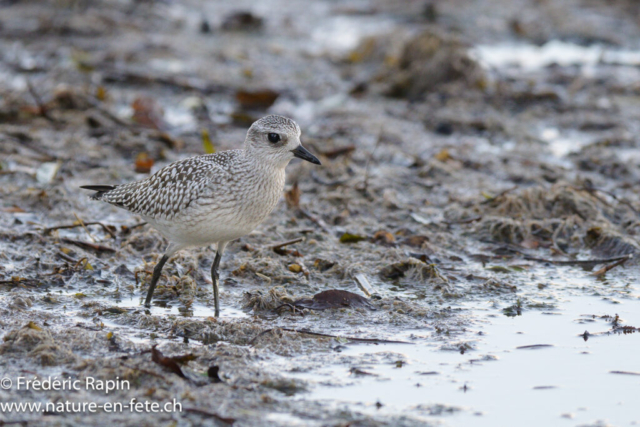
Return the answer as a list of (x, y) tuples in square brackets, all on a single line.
[(274, 137)]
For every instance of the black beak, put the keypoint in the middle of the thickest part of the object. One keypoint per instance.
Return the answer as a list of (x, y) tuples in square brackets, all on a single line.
[(304, 154)]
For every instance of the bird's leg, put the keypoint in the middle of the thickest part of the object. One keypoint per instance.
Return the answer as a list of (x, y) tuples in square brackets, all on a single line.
[(215, 278), (154, 279)]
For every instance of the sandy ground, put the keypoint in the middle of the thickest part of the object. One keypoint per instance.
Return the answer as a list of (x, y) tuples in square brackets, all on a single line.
[(449, 177)]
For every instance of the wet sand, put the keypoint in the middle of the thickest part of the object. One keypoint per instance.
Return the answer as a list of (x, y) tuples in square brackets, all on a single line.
[(480, 181)]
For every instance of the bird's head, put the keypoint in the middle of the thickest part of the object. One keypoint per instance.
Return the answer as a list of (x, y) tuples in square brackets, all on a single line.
[(276, 139)]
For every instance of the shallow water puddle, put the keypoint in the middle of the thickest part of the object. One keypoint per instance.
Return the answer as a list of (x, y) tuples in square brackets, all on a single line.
[(533, 368), (163, 308), (562, 144), (134, 303), (531, 57), (343, 33), (521, 61)]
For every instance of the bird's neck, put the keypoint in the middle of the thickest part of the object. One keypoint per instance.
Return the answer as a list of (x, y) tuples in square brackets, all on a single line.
[(264, 185), (265, 162)]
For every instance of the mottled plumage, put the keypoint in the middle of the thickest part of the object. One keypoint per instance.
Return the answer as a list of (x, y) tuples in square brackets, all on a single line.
[(214, 198)]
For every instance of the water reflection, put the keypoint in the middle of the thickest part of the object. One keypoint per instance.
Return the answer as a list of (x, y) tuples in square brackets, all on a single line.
[(523, 364)]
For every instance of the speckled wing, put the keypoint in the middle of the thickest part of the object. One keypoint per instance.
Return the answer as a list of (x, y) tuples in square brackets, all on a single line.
[(173, 188)]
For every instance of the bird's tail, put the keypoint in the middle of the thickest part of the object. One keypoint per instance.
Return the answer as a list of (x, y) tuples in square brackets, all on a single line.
[(100, 190)]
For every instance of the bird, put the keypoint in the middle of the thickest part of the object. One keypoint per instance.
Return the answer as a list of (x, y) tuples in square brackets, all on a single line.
[(213, 198)]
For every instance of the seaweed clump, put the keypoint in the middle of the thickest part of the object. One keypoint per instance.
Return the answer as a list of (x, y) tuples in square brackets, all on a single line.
[(429, 61), (567, 218), (34, 342)]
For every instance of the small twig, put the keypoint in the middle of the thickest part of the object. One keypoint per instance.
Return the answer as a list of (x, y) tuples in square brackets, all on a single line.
[(81, 260), (84, 227), (316, 220), (287, 243), (66, 257), (317, 334), (464, 221), (263, 277), (87, 245), (363, 283), (624, 372), (606, 268), (60, 227), (517, 250), (579, 261)]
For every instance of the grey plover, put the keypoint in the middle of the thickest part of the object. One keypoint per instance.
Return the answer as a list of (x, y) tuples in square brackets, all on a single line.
[(213, 198)]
